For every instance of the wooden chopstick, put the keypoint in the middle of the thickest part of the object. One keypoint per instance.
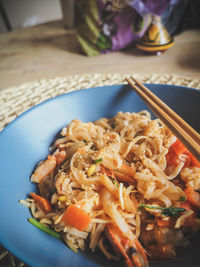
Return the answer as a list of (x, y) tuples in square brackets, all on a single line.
[(169, 111), (183, 131)]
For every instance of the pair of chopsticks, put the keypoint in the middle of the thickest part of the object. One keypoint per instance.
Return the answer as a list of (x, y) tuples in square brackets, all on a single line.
[(182, 130)]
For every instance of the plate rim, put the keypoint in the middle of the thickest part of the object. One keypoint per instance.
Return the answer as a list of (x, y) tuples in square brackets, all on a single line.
[(84, 90), (14, 252)]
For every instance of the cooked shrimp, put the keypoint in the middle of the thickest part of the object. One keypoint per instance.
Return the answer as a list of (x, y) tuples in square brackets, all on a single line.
[(161, 242), (60, 157), (110, 207), (132, 251), (44, 169)]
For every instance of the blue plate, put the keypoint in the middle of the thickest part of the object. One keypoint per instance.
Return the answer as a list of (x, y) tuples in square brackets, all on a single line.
[(26, 140)]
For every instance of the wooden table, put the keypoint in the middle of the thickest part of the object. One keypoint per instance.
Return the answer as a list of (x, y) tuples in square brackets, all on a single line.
[(48, 50)]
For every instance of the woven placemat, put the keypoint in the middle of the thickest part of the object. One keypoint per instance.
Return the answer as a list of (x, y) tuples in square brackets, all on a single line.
[(15, 100)]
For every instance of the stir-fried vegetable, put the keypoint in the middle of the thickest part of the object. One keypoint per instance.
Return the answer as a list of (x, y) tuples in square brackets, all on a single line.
[(76, 218), (92, 185), (44, 228), (91, 170), (98, 161), (164, 223), (92, 167), (42, 202), (115, 183), (177, 149), (171, 211), (182, 199)]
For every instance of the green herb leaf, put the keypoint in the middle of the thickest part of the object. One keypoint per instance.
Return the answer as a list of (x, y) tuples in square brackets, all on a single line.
[(182, 199), (98, 161), (44, 228), (172, 211)]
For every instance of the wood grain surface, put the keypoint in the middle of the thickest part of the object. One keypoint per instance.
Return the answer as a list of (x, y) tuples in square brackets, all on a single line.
[(49, 50)]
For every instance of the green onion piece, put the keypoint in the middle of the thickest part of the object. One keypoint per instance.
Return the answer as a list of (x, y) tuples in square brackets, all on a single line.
[(44, 228), (152, 207), (172, 211), (115, 183), (98, 161)]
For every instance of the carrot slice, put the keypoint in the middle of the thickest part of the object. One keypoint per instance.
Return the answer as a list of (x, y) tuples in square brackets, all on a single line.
[(164, 223), (193, 197), (76, 218), (172, 158), (174, 151), (42, 202), (178, 147)]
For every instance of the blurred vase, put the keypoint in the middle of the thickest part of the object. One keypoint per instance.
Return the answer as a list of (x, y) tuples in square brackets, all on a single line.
[(156, 38), (67, 7)]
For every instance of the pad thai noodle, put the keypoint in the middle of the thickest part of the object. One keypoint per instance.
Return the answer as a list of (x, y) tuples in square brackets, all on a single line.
[(125, 184)]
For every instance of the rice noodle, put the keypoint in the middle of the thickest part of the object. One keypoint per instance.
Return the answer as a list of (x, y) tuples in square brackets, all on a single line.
[(25, 203), (182, 218), (96, 235), (121, 200)]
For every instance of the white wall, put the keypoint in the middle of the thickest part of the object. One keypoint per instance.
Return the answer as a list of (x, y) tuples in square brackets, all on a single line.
[(24, 13)]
